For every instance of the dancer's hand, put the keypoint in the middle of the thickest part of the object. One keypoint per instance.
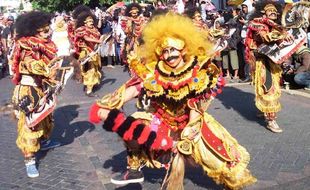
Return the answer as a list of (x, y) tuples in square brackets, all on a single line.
[(103, 113)]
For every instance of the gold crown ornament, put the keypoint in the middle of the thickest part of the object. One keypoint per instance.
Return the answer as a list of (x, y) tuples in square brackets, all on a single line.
[(170, 42)]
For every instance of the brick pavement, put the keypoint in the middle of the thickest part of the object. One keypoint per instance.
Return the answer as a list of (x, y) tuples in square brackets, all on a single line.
[(89, 155)]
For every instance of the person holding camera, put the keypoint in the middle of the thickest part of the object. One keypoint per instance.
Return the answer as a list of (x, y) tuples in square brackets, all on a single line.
[(300, 68)]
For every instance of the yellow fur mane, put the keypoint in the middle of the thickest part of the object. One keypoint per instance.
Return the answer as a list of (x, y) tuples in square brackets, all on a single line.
[(176, 26)]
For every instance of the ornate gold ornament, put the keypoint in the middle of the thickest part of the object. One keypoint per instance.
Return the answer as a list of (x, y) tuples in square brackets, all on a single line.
[(185, 147)]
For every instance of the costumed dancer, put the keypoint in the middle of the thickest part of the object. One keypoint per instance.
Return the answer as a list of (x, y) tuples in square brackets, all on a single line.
[(214, 34), (175, 82), (263, 29), (32, 65), (61, 37), (87, 40), (132, 25), (72, 22), (71, 26)]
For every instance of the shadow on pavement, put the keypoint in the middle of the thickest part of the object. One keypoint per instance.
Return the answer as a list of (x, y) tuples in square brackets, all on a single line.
[(135, 186), (194, 174), (197, 176), (233, 98), (117, 163), (64, 131), (103, 82)]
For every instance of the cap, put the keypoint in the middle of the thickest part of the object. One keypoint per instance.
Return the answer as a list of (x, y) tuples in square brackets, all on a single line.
[(10, 18)]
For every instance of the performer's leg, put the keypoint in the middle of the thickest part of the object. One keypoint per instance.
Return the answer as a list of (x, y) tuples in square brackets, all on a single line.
[(268, 92), (92, 76), (47, 143), (133, 174), (31, 168), (233, 173), (28, 142)]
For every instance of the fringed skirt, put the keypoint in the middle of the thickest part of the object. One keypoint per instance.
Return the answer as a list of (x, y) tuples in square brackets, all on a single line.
[(91, 70), (28, 140), (267, 86)]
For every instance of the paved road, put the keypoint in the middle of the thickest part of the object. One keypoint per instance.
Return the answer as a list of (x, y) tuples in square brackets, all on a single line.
[(89, 155)]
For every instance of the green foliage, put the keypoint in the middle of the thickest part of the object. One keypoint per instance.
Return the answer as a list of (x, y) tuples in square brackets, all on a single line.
[(21, 6), (68, 5)]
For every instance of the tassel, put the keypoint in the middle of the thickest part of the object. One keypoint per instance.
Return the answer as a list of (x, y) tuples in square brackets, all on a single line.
[(176, 176)]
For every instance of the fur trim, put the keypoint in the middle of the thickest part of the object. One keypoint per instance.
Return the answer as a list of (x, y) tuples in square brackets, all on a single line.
[(118, 122), (144, 135), (28, 24), (137, 132), (129, 133), (93, 114), (151, 139), (110, 121), (125, 126), (133, 129)]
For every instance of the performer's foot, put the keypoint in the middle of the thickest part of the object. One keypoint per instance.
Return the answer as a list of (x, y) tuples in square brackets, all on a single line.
[(31, 168), (246, 80), (307, 89), (130, 176), (273, 126), (91, 94), (49, 144), (110, 66)]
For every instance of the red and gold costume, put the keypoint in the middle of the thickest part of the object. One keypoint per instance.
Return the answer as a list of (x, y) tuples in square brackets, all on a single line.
[(132, 26), (31, 59), (91, 70), (267, 98), (70, 29), (266, 74), (173, 119)]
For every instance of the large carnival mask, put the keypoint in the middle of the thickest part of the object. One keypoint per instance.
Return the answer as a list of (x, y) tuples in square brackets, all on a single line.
[(271, 12), (44, 32), (172, 51), (89, 22)]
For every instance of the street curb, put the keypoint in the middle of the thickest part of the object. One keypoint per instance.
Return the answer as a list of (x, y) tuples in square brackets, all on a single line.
[(296, 92), (290, 92)]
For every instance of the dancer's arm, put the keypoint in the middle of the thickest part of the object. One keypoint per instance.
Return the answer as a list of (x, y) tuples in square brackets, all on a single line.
[(130, 93), (100, 110)]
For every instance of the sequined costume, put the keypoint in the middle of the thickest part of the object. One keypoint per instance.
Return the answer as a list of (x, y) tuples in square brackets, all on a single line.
[(132, 25), (91, 69), (266, 74), (31, 59), (172, 119)]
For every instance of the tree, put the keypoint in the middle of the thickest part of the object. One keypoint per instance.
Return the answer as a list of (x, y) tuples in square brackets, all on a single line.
[(68, 5), (21, 6)]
